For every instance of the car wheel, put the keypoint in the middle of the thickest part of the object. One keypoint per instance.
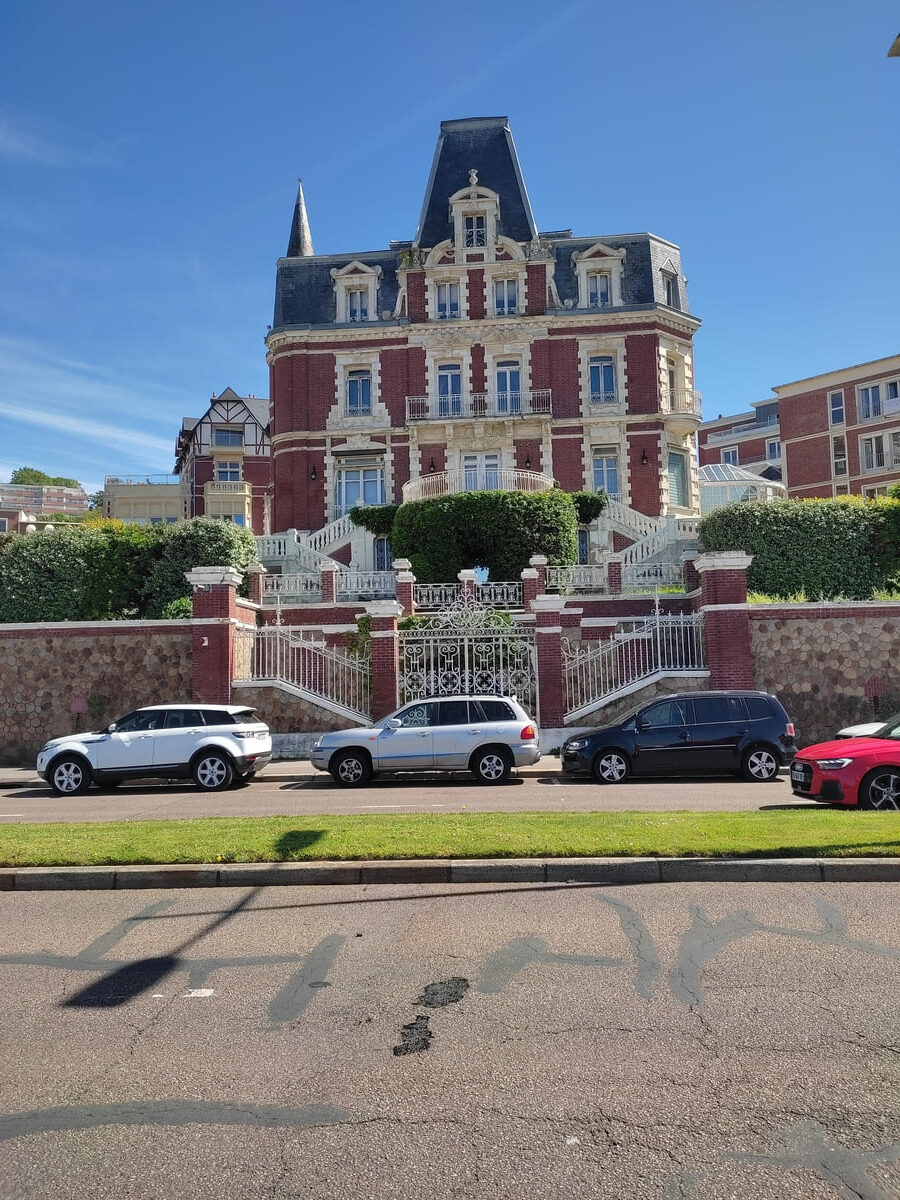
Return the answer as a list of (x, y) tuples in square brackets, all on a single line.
[(611, 766), (212, 772), (491, 766), (70, 775), (759, 764), (881, 790), (351, 768)]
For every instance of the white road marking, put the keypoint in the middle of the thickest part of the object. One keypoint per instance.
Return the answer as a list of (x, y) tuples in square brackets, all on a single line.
[(410, 805), (12, 814), (196, 993)]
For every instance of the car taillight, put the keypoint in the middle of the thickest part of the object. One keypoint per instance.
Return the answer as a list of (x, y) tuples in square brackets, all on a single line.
[(528, 734), (790, 729)]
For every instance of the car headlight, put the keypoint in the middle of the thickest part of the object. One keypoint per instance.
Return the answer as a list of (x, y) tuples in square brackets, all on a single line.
[(318, 743), (832, 764), (578, 744)]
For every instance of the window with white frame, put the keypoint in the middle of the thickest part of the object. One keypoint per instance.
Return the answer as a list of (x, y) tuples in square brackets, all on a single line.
[(481, 472), (731, 455), (449, 377), (773, 449), (475, 230), (506, 292), (228, 435), (602, 378), (839, 455), (670, 286), (509, 386), (873, 490), (842, 489), (892, 396), (358, 483), (357, 304), (870, 402), (836, 407), (359, 393), (228, 472), (605, 470), (598, 288), (676, 466), (880, 451), (447, 301)]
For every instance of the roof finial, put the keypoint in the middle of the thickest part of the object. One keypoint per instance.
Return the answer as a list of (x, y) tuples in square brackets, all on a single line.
[(473, 177), (300, 244)]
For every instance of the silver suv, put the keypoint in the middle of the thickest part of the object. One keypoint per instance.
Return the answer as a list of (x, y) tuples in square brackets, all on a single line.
[(487, 735), (213, 744)]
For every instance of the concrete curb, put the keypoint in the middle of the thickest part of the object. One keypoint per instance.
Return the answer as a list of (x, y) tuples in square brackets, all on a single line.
[(608, 871)]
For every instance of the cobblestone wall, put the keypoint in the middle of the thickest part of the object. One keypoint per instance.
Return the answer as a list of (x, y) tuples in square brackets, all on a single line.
[(829, 665), (58, 678), (285, 713)]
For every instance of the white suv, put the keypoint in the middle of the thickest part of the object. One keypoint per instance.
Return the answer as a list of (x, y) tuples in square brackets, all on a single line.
[(212, 743), (487, 735)]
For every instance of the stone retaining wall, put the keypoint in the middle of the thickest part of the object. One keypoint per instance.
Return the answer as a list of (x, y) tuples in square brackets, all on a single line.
[(830, 665), (284, 712), (60, 677)]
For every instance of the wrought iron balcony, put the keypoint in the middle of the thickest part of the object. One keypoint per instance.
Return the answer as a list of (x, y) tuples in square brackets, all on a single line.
[(680, 400), (479, 406), (749, 427), (475, 479)]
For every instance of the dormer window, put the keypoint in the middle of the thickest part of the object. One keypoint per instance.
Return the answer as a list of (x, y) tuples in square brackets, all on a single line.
[(506, 292), (475, 231), (228, 436), (357, 304), (598, 289), (670, 283), (355, 293)]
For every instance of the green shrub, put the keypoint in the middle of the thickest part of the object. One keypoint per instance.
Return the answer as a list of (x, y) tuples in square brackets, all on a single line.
[(177, 548), (823, 548), (589, 505), (378, 519), (179, 609), (498, 530)]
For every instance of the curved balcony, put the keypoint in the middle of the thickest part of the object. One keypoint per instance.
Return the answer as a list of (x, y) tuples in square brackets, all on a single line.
[(481, 479)]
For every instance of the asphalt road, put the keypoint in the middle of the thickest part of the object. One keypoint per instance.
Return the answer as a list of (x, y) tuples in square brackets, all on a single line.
[(289, 788), (667, 1042)]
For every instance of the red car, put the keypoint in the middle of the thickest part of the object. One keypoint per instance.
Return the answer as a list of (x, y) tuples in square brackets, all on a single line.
[(857, 771)]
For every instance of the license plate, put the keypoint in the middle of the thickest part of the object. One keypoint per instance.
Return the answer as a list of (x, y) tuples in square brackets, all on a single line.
[(797, 773)]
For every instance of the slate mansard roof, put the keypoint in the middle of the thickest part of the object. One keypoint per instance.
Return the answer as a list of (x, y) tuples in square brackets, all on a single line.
[(304, 290)]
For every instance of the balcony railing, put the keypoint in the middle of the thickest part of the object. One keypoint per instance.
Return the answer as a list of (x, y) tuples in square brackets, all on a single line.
[(238, 488), (604, 399), (480, 479), (479, 406), (680, 400), (112, 481), (726, 435)]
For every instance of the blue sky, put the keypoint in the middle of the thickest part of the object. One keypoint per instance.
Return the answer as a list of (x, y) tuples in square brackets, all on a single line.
[(149, 157)]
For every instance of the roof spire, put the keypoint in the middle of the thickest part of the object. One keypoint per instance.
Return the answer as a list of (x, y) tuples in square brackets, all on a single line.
[(300, 244)]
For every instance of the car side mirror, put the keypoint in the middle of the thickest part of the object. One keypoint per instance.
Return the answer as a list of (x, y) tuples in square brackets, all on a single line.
[(393, 723), (111, 728), (643, 723)]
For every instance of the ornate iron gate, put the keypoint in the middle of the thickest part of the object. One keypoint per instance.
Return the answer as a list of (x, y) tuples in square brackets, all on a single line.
[(468, 649)]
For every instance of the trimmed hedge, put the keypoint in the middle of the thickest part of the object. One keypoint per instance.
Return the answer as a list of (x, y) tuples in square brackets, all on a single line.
[(103, 570), (825, 548), (378, 519), (589, 505), (498, 530)]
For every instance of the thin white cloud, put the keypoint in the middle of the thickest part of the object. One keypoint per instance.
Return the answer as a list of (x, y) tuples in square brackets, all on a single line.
[(18, 141)]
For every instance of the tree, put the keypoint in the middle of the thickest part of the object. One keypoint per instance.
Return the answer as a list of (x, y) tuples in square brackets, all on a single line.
[(40, 478)]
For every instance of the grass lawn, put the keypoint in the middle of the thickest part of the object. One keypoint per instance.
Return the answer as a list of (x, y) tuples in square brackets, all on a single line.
[(774, 834)]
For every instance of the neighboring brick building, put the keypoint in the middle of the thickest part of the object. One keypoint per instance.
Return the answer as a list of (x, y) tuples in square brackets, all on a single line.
[(480, 354), (840, 431), (223, 469), (44, 498), (751, 440)]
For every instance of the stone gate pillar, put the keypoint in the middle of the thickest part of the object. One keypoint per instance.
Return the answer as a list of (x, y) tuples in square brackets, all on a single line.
[(551, 684), (406, 583), (723, 602), (212, 634), (467, 585), (385, 656)]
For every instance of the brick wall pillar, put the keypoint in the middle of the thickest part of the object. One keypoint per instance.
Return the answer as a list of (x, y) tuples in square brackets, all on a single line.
[(255, 574), (212, 639), (539, 563), (691, 575), (328, 575), (467, 589), (548, 635), (723, 602), (385, 657), (529, 587), (406, 582), (614, 577), (570, 620)]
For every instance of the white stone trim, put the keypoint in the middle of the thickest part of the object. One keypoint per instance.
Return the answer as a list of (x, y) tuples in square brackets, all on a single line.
[(602, 260), (355, 276), (723, 560), (338, 419)]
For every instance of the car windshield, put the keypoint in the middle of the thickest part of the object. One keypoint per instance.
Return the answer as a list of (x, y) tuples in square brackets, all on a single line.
[(891, 730)]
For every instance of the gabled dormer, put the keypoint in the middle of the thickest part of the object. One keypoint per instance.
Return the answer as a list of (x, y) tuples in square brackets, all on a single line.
[(356, 292), (598, 270)]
